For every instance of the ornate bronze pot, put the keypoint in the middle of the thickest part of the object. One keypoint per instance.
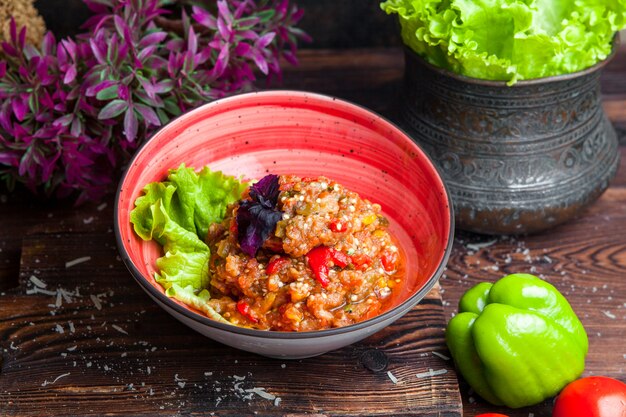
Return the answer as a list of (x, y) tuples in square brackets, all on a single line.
[(516, 159)]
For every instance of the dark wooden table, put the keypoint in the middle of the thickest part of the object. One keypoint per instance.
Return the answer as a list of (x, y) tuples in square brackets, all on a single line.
[(82, 339)]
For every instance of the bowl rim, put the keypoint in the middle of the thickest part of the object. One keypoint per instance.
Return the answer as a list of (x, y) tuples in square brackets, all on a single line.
[(160, 296)]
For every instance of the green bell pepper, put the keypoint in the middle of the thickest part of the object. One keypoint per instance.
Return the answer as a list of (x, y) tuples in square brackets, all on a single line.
[(518, 341)]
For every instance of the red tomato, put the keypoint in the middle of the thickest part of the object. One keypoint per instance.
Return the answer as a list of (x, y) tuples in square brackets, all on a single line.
[(593, 396), (491, 415)]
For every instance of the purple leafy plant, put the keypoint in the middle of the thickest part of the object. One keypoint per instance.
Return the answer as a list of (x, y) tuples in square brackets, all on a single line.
[(71, 112)]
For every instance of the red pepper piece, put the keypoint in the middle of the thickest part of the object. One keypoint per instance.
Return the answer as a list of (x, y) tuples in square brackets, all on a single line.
[(318, 259), (339, 258), (337, 226), (246, 311), (389, 260), (233, 228), (361, 261), (275, 265)]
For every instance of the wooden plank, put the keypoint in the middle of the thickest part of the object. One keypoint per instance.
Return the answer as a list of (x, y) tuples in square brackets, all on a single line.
[(131, 358), (590, 249)]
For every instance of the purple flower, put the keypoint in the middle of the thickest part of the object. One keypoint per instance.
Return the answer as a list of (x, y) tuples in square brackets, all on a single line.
[(70, 109)]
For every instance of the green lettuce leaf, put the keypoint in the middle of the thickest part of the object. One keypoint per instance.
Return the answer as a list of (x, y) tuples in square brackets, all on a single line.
[(510, 39), (177, 213), (202, 197), (198, 301), (187, 269)]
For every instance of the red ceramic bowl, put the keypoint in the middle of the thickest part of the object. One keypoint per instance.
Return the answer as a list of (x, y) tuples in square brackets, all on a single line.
[(307, 134)]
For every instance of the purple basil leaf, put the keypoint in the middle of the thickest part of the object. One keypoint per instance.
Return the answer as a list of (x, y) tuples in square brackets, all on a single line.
[(255, 223), (113, 109), (3, 69), (257, 218), (266, 191)]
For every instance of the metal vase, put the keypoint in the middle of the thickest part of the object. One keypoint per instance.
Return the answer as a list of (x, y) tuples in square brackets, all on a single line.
[(516, 159)]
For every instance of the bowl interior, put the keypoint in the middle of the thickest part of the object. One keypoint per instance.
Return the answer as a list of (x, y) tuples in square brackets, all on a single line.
[(299, 133)]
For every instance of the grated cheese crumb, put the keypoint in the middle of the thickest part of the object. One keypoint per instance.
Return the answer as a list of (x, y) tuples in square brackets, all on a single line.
[(59, 301), (77, 261), (392, 377), (431, 373), (45, 382), (609, 314), (39, 283), (119, 329), (477, 246), (59, 329), (96, 301), (262, 393), (444, 357)]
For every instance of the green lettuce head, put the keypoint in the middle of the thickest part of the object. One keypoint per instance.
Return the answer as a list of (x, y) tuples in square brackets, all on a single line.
[(510, 40)]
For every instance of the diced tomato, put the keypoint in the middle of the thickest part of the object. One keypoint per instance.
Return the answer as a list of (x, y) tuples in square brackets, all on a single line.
[(246, 311), (337, 226), (389, 260), (276, 265), (339, 258), (361, 261), (319, 259)]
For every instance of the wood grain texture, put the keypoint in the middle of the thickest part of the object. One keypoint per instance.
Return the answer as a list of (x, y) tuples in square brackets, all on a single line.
[(130, 358), (585, 258)]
